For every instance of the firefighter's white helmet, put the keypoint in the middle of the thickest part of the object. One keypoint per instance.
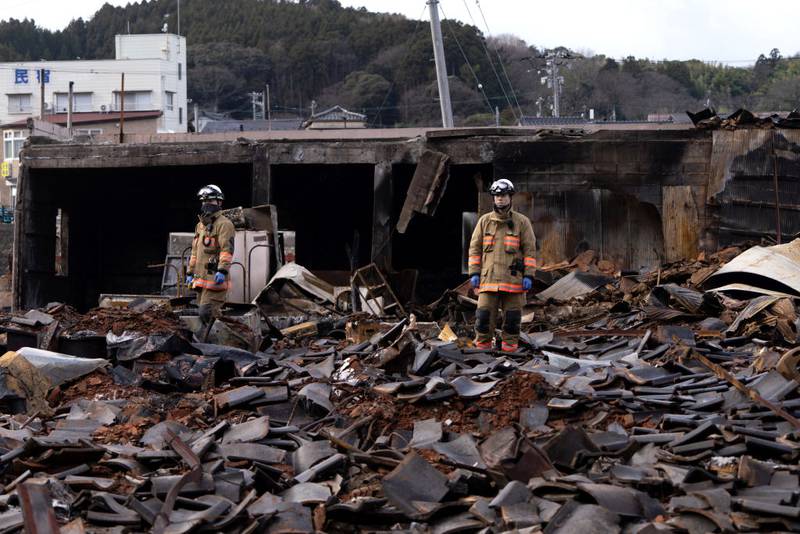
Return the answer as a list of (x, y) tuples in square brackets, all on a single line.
[(210, 192)]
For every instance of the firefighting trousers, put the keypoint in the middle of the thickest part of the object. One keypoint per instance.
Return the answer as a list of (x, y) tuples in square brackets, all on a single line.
[(210, 303), (489, 304)]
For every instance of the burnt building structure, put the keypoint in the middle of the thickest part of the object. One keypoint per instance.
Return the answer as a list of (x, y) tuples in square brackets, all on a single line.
[(639, 196)]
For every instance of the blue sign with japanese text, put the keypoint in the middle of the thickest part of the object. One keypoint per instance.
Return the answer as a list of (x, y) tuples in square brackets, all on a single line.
[(21, 76)]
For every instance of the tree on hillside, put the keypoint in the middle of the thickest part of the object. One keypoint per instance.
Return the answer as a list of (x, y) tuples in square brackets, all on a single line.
[(362, 92), (309, 49), (781, 95), (222, 74)]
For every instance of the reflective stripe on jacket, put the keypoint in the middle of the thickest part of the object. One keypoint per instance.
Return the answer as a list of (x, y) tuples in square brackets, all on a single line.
[(212, 251), (502, 251)]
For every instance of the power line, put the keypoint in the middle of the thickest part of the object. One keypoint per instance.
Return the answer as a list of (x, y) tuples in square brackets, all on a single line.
[(466, 60), (421, 105), (491, 63)]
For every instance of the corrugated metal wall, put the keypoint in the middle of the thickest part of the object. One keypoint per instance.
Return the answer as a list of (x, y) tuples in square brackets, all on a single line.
[(635, 198), (742, 184)]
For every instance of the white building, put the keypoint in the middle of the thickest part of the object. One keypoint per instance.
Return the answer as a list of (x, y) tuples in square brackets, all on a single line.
[(155, 80), (154, 66)]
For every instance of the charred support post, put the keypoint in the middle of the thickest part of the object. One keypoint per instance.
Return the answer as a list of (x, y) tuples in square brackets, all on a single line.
[(35, 244), (262, 179), (775, 182), (19, 251), (381, 216), (680, 221)]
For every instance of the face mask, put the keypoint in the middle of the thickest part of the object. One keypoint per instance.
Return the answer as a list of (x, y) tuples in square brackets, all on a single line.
[(504, 209), (208, 208)]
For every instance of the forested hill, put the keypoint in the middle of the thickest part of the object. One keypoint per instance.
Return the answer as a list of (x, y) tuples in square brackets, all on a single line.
[(382, 65)]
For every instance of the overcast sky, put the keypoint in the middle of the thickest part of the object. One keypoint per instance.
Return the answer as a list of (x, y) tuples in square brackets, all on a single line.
[(732, 31)]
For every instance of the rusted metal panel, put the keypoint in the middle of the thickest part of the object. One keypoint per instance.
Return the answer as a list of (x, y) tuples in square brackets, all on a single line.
[(728, 145), (39, 516), (748, 153), (426, 189), (680, 222)]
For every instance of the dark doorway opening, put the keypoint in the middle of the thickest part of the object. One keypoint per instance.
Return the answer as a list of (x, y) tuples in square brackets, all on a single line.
[(119, 221), (433, 245), (326, 206)]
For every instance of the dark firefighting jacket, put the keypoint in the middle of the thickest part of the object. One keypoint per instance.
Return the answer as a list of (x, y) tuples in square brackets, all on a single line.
[(502, 251)]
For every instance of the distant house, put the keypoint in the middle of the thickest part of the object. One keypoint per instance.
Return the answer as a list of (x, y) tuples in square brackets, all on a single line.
[(209, 122), (336, 118), (95, 123)]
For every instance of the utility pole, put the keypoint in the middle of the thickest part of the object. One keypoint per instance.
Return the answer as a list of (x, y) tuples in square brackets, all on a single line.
[(556, 82), (69, 108), (496, 116), (553, 80), (441, 67), (267, 110), (41, 94), (122, 110), (179, 17), (259, 100)]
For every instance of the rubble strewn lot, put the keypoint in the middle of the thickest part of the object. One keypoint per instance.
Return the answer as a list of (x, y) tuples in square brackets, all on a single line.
[(637, 403)]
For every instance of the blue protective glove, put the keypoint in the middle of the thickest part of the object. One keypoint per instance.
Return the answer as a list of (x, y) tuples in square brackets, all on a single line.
[(189, 279), (527, 283), (219, 278), (475, 280)]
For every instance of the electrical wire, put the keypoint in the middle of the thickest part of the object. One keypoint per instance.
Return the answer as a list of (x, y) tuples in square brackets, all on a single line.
[(491, 63), (419, 105), (466, 60), (500, 60)]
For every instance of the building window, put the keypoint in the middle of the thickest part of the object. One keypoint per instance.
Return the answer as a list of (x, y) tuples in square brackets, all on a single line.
[(169, 101), (12, 143), (180, 71), (89, 131), (134, 101), (19, 103), (180, 115), (81, 102)]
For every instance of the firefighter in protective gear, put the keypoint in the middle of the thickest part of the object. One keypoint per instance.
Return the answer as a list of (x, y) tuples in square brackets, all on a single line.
[(212, 254), (501, 268)]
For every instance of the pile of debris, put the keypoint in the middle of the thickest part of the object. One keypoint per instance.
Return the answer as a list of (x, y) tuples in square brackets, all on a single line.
[(671, 405), (708, 119)]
